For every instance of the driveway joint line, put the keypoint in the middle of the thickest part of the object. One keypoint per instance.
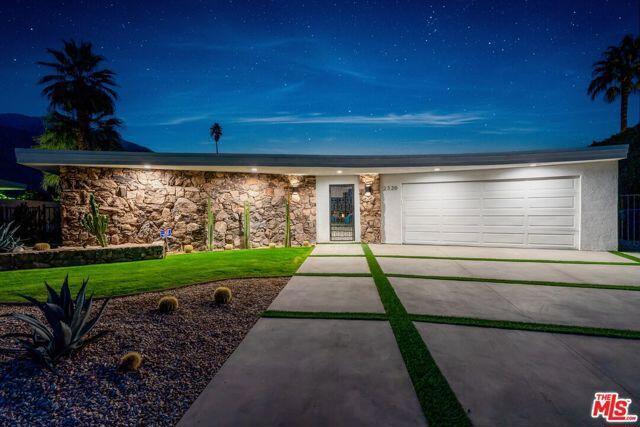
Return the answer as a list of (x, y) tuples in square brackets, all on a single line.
[(284, 314)]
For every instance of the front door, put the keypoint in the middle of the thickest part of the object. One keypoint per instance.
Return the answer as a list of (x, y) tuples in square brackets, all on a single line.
[(341, 216)]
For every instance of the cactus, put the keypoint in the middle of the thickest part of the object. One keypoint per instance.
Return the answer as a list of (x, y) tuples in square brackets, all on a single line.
[(130, 362), (41, 247), (167, 304), (287, 223), (222, 295), (246, 227), (211, 223), (96, 223)]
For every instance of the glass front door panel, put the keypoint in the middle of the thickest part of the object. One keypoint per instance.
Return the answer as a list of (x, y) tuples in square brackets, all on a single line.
[(341, 213)]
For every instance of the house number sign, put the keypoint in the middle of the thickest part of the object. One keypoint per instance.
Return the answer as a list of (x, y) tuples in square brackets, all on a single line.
[(389, 188)]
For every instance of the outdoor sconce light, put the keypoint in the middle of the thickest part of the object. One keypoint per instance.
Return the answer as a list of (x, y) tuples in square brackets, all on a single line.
[(368, 189), (294, 187)]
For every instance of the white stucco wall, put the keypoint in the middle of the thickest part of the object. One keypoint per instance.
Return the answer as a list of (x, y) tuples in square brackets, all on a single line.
[(598, 194), (322, 204)]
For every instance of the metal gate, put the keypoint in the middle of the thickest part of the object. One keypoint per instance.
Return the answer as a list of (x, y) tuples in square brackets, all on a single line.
[(629, 222), (341, 215)]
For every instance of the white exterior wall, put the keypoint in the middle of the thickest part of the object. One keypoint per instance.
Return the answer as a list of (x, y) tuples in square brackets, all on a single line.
[(598, 197), (322, 204)]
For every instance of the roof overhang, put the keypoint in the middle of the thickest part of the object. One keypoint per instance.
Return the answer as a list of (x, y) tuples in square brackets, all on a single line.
[(52, 160)]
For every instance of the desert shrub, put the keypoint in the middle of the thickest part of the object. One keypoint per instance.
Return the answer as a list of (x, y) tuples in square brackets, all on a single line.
[(41, 247), (68, 324), (168, 304), (130, 362), (188, 249), (222, 295)]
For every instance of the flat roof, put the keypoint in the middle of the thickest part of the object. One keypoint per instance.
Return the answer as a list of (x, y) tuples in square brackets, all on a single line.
[(52, 160)]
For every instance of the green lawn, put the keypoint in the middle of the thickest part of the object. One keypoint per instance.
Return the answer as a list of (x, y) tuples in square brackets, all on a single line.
[(144, 276)]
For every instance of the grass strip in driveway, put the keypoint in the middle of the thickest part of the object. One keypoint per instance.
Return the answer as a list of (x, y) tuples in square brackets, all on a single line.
[(542, 261), (635, 260), (520, 282), (128, 278), (528, 326), (336, 256), (439, 404), (323, 315), (335, 274)]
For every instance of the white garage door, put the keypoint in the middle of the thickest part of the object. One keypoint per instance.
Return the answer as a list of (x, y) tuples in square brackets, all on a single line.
[(542, 213)]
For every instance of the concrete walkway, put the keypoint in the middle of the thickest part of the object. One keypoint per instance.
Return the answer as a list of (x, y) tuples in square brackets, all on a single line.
[(517, 378), (570, 273), (544, 304), (329, 294), (335, 265), (302, 372), (338, 249)]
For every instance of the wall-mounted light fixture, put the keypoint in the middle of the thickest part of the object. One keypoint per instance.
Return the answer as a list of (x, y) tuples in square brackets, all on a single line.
[(254, 170), (146, 166), (368, 189), (294, 187)]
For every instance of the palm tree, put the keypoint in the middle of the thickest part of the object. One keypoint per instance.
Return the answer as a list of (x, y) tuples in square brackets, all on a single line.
[(81, 96), (617, 74), (215, 131)]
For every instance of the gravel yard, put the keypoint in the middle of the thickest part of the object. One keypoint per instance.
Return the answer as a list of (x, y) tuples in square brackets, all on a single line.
[(182, 351)]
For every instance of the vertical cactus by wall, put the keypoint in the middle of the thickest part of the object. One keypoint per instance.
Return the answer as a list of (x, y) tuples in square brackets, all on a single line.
[(211, 223), (287, 223), (95, 223), (246, 232)]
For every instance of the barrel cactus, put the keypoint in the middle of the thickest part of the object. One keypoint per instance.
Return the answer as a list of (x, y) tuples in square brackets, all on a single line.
[(222, 295), (130, 362), (168, 304)]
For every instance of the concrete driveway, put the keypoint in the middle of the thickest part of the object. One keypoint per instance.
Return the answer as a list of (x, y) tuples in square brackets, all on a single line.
[(327, 371)]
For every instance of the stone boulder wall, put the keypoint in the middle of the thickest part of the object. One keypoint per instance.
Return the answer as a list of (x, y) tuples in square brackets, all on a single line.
[(370, 209), (140, 202), (68, 256)]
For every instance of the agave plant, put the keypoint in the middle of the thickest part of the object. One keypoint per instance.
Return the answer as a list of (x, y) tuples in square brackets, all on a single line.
[(8, 239), (67, 326)]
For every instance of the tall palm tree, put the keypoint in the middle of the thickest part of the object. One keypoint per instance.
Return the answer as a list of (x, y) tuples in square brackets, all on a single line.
[(81, 96), (617, 74), (215, 131)]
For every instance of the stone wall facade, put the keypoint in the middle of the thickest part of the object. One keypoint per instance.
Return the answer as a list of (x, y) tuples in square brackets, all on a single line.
[(370, 209), (68, 256), (140, 202)]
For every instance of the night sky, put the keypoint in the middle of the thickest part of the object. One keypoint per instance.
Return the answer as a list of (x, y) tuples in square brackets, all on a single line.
[(334, 77)]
